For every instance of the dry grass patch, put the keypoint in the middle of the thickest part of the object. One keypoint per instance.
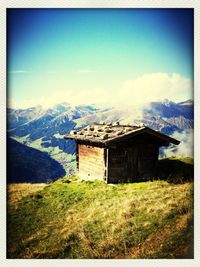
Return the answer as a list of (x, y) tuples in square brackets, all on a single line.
[(95, 220), (17, 191), (155, 245)]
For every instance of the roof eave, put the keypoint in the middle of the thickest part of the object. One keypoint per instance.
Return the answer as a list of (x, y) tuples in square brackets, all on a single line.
[(84, 140), (163, 136), (121, 137)]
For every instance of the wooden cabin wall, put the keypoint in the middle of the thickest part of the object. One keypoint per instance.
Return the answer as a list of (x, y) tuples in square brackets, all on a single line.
[(132, 162), (122, 164), (91, 161), (127, 161), (115, 166), (148, 160)]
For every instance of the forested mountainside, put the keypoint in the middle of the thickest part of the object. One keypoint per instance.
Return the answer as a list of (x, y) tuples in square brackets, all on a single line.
[(26, 164)]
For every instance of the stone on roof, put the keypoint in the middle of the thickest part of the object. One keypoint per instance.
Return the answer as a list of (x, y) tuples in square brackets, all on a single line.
[(105, 133), (99, 132)]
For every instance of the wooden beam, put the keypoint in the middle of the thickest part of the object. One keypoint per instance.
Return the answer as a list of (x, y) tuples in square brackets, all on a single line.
[(107, 165), (77, 157)]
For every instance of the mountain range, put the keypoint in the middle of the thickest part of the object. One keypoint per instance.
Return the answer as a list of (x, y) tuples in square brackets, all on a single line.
[(44, 129)]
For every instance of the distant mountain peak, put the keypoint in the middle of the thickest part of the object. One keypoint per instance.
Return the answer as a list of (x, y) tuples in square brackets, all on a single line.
[(167, 101), (188, 102)]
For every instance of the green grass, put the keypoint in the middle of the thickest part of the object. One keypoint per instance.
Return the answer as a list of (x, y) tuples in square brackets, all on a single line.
[(72, 219)]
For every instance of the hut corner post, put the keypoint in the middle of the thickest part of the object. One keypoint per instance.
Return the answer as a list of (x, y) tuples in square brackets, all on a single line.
[(77, 157), (106, 155)]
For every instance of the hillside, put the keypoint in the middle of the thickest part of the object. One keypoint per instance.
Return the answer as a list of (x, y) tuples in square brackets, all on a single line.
[(74, 219), (25, 164)]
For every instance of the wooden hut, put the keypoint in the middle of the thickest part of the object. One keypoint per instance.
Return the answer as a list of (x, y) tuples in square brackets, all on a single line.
[(118, 153)]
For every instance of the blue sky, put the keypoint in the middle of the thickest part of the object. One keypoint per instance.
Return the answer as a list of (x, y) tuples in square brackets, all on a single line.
[(89, 55)]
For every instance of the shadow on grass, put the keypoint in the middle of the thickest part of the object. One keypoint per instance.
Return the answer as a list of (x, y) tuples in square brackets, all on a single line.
[(175, 171)]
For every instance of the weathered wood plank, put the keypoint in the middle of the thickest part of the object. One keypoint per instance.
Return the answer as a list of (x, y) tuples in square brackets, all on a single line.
[(91, 161)]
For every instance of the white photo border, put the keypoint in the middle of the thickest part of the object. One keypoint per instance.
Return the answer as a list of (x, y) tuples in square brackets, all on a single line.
[(4, 5)]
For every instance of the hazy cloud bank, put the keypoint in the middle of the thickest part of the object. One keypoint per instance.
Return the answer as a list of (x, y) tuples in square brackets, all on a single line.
[(146, 88), (185, 148)]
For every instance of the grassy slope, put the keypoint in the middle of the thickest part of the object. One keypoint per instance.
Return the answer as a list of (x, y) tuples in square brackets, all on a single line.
[(95, 220), (19, 191), (176, 169)]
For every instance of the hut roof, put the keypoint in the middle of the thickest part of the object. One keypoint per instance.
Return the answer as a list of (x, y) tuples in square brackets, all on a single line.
[(110, 133)]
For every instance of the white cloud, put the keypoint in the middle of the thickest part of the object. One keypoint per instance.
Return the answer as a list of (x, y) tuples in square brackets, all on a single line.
[(142, 90), (27, 71), (13, 104), (84, 97), (156, 86), (18, 71), (185, 148)]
